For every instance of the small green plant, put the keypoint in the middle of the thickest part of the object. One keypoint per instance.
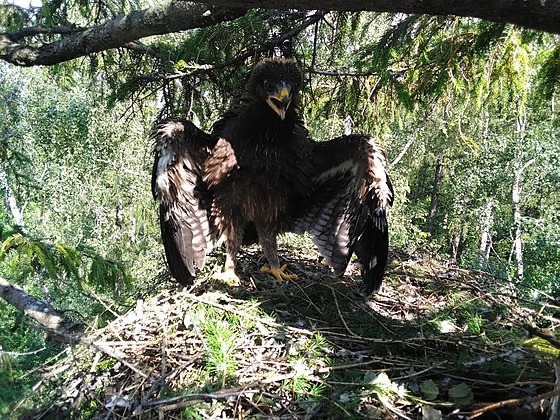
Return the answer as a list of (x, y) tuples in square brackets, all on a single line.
[(191, 413), (220, 340), (474, 324), (105, 365)]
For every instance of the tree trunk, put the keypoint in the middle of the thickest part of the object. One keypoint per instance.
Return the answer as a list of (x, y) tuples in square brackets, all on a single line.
[(516, 198), (348, 125), (455, 242), (517, 239), (486, 237), (11, 202), (430, 222)]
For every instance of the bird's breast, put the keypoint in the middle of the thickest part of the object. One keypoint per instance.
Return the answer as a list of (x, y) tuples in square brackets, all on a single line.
[(264, 189)]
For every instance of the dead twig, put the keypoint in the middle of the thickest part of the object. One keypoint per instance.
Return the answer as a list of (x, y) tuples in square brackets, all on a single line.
[(515, 401), (79, 340), (219, 395), (545, 335)]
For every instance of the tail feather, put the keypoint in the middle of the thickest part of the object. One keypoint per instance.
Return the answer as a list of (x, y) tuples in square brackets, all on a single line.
[(176, 243), (372, 250)]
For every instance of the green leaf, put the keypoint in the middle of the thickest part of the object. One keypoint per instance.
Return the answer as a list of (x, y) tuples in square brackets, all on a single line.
[(461, 394), (344, 398), (429, 389)]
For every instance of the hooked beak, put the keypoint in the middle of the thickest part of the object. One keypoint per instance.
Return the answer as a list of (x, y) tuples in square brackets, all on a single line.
[(280, 100)]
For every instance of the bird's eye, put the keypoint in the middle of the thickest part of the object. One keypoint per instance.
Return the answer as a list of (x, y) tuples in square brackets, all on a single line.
[(268, 86)]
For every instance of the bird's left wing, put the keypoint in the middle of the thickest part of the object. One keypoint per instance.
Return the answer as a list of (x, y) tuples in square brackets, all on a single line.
[(180, 150), (347, 209)]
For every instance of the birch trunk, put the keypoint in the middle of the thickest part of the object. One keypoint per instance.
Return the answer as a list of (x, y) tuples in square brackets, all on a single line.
[(11, 202), (518, 232)]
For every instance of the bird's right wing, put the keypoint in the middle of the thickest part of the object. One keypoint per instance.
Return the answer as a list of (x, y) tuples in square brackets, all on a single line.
[(180, 150)]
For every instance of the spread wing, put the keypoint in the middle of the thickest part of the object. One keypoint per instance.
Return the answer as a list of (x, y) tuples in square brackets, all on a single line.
[(180, 150), (347, 209)]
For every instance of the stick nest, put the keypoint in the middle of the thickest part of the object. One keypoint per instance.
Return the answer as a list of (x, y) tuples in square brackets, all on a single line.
[(437, 342)]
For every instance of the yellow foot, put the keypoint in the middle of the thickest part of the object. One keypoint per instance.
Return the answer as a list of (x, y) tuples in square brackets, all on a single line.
[(228, 277), (279, 273)]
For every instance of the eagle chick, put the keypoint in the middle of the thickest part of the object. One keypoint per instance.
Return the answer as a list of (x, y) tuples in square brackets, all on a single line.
[(259, 174)]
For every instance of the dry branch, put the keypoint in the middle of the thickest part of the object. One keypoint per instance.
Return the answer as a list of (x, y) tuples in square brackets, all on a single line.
[(511, 402), (544, 334)]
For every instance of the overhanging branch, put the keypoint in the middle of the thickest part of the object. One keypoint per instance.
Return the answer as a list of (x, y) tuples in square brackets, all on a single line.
[(536, 14), (117, 32), (42, 30), (181, 15)]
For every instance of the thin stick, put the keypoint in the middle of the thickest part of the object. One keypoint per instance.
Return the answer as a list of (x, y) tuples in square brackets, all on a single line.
[(352, 333), (392, 408), (506, 403), (220, 395), (412, 375)]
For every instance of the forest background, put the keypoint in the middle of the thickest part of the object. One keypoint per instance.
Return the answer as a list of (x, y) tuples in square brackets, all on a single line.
[(466, 109)]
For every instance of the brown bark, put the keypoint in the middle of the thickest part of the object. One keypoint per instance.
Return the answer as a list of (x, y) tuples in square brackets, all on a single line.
[(535, 14)]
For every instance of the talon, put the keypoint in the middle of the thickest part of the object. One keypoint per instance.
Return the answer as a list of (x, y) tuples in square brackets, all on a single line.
[(228, 277), (279, 274)]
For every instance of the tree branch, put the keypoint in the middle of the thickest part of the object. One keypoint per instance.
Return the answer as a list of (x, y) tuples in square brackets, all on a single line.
[(39, 311), (117, 32), (43, 29), (269, 46), (181, 15), (535, 14)]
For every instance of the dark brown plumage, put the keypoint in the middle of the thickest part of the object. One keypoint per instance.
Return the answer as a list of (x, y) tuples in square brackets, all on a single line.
[(258, 174)]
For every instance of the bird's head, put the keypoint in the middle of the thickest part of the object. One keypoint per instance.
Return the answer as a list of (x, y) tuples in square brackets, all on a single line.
[(277, 83)]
